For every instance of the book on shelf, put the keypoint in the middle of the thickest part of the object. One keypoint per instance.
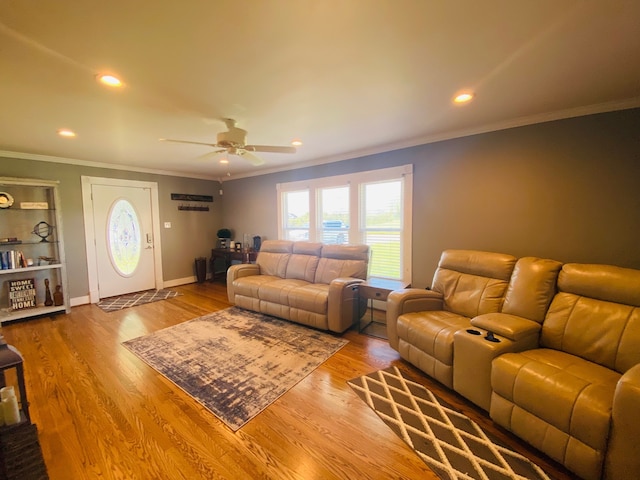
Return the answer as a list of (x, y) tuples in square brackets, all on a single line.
[(12, 259)]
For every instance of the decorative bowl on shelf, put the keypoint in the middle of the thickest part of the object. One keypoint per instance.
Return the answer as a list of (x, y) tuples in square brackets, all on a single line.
[(6, 200)]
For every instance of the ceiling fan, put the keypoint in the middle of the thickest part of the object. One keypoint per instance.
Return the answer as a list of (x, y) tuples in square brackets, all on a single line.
[(234, 142)]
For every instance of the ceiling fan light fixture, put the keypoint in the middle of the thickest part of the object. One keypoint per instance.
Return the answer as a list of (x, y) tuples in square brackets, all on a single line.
[(463, 98), (65, 132), (109, 80)]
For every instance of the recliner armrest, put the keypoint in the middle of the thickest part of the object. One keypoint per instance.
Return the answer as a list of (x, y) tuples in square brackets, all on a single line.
[(414, 300), (343, 303), (509, 326), (623, 451), (237, 271), (409, 300)]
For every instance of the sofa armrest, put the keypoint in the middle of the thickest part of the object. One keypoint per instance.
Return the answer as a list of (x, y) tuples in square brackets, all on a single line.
[(509, 326), (237, 271), (343, 303), (623, 451), (409, 300)]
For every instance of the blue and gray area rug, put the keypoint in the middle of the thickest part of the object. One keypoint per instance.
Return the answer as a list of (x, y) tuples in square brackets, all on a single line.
[(235, 362)]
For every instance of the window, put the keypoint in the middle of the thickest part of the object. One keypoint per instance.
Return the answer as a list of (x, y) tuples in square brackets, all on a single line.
[(334, 214), (124, 240), (382, 226), (296, 215), (372, 207)]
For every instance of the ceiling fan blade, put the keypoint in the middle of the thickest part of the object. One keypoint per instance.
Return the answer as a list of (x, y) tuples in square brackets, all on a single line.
[(208, 155), (186, 141), (254, 159), (269, 149)]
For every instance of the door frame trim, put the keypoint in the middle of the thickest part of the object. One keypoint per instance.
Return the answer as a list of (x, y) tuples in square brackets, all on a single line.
[(89, 231)]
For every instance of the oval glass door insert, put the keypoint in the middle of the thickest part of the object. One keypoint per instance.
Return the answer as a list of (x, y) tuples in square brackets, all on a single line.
[(124, 237)]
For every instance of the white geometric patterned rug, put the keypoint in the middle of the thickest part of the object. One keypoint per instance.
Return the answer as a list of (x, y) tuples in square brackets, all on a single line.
[(113, 304), (451, 444)]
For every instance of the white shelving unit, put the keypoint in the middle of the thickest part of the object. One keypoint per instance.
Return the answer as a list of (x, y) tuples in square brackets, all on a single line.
[(32, 202)]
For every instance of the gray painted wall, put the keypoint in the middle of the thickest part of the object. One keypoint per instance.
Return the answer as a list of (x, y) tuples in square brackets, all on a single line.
[(568, 190), (192, 233)]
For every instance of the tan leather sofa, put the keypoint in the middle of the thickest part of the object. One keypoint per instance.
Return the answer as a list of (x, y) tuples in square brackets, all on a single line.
[(557, 362), (305, 282), (576, 395)]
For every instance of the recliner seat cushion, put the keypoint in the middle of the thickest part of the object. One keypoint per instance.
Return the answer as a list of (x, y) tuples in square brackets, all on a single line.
[(313, 297), (425, 339), (432, 332), (250, 285), (277, 291), (558, 402)]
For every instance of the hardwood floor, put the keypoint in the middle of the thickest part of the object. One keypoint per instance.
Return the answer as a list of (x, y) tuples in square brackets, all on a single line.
[(103, 413)]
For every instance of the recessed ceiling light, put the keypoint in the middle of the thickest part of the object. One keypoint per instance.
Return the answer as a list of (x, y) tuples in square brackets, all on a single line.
[(65, 132), (224, 161), (463, 97), (109, 80), (296, 143)]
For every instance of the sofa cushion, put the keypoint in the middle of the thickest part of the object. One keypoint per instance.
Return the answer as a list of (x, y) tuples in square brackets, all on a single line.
[(586, 319), (311, 298), (432, 332), (339, 261), (304, 261), (531, 288), (273, 264), (473, 282), (565, 391), (277, 291), (274, 256), (250, 285)]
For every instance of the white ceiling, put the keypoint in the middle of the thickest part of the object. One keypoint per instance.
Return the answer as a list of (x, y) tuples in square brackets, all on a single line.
[(348, 77)]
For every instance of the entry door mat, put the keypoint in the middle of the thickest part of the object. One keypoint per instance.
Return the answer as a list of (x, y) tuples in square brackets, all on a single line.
[(113, 304), (235, 362), (451, 444)]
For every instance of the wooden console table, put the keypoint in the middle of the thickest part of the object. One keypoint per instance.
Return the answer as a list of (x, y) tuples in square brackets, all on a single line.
[(228, 255)]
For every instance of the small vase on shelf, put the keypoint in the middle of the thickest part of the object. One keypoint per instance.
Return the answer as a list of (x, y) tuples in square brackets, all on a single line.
[(48, 301)]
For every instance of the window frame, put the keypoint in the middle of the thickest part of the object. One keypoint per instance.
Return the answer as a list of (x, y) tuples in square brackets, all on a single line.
[(355, 181)]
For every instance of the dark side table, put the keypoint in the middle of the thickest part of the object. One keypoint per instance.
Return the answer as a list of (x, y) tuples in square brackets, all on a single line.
[(228, 255), (376, 289)]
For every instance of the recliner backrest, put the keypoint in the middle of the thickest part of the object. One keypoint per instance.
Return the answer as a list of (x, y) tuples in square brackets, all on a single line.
[(473, 282), (303, 262), (531, 288), (337, 261), (274, 256), (596, 315)]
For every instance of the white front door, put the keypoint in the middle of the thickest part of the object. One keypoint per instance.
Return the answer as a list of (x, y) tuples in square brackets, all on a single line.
[(108, 279), (123, 239)]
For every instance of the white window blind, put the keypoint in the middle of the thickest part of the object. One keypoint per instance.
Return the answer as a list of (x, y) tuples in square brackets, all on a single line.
[(382, 227), (371, 207)]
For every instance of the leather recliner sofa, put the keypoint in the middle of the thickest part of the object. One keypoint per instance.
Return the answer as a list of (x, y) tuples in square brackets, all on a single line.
[(557, 362), (306, 282), (576, 395)]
